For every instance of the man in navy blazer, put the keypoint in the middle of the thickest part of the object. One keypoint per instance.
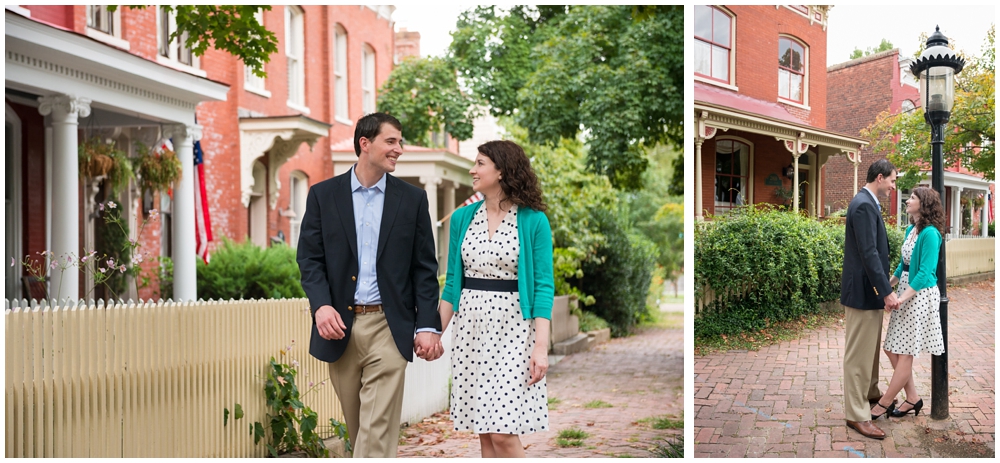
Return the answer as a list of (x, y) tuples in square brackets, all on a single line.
[(368, 265), (865, 292)]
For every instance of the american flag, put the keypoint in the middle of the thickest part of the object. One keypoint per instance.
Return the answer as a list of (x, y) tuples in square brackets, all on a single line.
[(202, 219), (474, 198)]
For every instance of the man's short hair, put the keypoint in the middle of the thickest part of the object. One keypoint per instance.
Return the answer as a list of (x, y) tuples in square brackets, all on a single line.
[(370, 126), (881, 167)]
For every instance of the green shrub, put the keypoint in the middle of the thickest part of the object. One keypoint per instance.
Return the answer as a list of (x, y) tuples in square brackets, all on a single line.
[(620, 280), (245, 271), (992, 231), (589, 321), (767, 266), (764, 265)]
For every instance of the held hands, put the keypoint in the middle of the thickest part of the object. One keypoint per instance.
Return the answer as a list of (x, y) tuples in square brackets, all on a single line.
[(329, 324), (427, 345), (891, 302), (539, 364)]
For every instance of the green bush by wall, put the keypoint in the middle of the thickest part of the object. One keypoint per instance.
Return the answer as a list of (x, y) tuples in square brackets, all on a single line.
[(767, 266), (620, 281), (245, 271)]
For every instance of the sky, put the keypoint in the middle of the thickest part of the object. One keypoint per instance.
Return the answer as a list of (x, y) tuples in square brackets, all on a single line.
[(850, 26), (434, 23), (862, 26)]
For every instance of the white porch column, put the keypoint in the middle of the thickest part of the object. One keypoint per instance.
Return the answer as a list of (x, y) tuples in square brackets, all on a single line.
[(984, 216), (698, 215), (956, 211), (185, 276), (431, 187), (449, 208), (65, 111)]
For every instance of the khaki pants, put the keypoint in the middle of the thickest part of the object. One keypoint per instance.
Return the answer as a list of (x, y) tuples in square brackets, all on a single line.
[(368, 379), (863, 339)]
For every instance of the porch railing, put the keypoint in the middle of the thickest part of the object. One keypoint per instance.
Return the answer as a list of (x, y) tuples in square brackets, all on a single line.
[(152, 379)]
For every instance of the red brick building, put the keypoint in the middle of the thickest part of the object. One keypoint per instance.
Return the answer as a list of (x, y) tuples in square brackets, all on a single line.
[(76, 72), (861, 89), (755, 121)]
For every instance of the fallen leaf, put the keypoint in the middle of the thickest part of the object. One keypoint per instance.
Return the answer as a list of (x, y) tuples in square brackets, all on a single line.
[(827, 410), (592, 423), (939, 440), (927, 430)]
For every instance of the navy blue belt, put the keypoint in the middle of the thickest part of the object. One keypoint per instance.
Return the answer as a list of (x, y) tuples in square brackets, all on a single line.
[(482, 284), (906, 267)]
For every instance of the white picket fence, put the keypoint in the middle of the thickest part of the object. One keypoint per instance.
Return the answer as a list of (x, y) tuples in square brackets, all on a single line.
[(152, 380)]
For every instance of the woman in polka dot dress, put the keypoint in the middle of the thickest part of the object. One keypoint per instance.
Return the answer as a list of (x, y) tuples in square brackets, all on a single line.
[(915, 327), (499, 288)]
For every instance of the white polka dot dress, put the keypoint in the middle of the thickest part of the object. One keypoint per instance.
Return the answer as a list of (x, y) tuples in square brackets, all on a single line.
[(916, 326), (493, 341)]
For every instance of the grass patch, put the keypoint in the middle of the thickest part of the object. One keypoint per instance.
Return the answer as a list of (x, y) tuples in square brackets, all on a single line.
[(573, 433), (664, 422), (554, 400), (670, 449), (589, 321), (597, 404), (568, 442), (779, 332)]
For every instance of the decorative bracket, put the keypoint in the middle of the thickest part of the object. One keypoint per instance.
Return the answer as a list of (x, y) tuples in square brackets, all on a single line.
[(279, 138)]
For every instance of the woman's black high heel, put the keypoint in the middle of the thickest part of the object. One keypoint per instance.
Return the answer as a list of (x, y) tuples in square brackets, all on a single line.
[(888, 410), (916, 409)]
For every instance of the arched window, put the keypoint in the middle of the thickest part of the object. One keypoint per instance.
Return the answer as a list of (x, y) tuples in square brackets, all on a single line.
[(340, 104), (713, 34), (792, 67), (368, 79)]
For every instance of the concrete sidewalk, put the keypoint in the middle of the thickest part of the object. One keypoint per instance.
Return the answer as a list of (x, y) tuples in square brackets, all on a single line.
[(786, 400), (641, 377)]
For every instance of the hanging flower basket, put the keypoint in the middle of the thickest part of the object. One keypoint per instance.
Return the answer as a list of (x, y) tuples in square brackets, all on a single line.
[(157, 167), (97, 158)]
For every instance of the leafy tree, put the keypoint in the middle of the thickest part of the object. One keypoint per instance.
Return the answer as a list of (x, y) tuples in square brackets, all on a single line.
[(423, 94), (885, 45), (231, 28), (657, 212), (969, 137), (612, 72)]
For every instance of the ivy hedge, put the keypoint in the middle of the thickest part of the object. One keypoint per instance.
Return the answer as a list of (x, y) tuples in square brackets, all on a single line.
[(766, 266)]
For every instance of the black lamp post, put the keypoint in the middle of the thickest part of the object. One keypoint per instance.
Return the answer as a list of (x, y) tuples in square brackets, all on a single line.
[(936, 68)]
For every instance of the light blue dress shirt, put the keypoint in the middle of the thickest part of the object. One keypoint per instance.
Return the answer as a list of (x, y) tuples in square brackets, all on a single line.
[(877, 203), (368, 203)]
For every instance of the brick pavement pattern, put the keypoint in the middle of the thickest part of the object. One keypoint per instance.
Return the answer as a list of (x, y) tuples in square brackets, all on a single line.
[(641, 376), (786, 400)]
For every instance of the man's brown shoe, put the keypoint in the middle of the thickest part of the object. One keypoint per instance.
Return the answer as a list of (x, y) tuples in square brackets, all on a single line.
[(867, 429)]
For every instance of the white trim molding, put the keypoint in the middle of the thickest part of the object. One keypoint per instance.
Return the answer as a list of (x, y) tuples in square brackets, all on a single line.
[(279, 137)]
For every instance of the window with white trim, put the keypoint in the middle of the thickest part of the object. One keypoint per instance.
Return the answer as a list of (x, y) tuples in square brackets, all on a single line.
[(368, 79), (340, 104), (791, 70), (252, 81), (100, 19), (294, 47), (173, 50), (105, 26), (713, 34)]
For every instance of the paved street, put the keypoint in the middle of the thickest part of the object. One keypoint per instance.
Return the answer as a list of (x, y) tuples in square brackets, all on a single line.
[(640, 377), (786, 400)]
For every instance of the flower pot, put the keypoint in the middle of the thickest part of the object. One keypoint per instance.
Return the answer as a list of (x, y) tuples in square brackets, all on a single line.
[(99, 165)]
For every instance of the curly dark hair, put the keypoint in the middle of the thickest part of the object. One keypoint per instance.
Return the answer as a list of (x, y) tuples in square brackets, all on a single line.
[(518, 182), (931, 212)]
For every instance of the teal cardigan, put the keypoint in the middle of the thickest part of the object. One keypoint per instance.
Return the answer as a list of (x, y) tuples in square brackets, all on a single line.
[(535, 282), (924, 260)]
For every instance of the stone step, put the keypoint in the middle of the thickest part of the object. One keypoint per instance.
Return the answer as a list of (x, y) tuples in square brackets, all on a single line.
[(578, 343)]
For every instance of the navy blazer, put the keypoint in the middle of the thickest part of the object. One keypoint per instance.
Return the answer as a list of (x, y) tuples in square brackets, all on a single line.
[(864, 282), (405, 261)]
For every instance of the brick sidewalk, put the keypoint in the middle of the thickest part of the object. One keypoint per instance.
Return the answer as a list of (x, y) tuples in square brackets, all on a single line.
[(786, 400), (641, 376)]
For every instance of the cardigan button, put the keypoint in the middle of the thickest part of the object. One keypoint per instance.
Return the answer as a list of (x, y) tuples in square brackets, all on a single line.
[(354, 278)]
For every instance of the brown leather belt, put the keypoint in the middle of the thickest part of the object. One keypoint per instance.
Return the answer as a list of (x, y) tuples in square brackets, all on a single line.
[(363, 309)]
